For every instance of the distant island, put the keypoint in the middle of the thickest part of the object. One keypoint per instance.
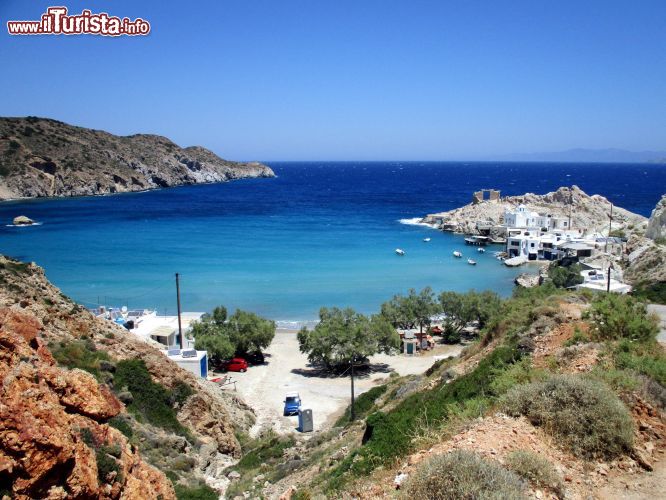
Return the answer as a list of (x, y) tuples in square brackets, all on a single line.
[(610, 155), (41, 157)]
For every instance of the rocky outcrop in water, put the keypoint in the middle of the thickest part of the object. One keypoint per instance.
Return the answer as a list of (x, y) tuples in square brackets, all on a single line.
[(40, 157), (587, 212)]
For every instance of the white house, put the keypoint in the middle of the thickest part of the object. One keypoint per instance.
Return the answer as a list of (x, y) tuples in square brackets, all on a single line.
[(193, 361), (523, 218), (524, 244), (164, 329)]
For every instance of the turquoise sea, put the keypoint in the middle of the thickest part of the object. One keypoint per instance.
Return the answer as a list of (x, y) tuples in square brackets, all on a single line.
[(320, 234)]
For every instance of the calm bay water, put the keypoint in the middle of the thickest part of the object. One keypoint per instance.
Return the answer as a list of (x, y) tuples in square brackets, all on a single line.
[(320, 234)]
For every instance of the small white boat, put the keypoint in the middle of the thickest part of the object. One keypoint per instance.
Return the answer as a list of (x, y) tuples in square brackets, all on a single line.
[(399, 251), (426, 240), (471, 262), (481, 250), (456, 253)]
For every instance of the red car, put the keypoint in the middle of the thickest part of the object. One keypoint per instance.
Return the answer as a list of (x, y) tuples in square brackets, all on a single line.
[(236, 365)]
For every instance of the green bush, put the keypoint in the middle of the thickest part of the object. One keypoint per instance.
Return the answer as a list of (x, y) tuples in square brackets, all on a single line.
[(80, 354), (645, 358), (301, 495), (651, 292), (179, 393), (462, 475), (389, 435), (105, 457), (122, 424), (151, 401), (585, 414), (363, 405), (616, 317), (201, 492), (265, 448), (565, 276), (535, 469)]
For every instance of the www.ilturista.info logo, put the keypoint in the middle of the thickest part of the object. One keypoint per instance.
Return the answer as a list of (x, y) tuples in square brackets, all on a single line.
[(56, 21)]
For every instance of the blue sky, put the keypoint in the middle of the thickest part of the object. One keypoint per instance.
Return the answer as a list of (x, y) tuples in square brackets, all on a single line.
[(370, 79)]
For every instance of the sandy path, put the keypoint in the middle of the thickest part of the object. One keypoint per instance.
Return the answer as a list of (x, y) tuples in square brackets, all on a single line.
[(286, 370)]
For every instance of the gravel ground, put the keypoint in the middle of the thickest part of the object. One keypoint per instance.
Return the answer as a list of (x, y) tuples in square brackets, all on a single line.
[(287, 370)]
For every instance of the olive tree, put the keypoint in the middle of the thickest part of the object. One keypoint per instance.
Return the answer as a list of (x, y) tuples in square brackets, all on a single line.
[(223, 337), (412, 310), (343, 336), (461, 309)]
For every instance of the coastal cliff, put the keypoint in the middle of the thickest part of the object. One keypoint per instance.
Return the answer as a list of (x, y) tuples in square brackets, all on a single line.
[(40, 157), (645, 260), (70, 426), (587, 211)]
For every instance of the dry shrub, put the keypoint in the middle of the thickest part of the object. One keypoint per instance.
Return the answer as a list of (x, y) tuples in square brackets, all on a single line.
[(586, 414), (537, 470), (462, 474)]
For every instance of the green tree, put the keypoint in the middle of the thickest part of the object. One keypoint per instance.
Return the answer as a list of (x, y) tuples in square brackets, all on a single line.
[(616, 317), (223, 337), (249, 332), (565, 276), (412, 310), (461, 309), (343, 335)]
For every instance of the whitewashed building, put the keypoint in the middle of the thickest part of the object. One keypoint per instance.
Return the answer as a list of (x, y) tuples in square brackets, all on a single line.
[(524, 218)]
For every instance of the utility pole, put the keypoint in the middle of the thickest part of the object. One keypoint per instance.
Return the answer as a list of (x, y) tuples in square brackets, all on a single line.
[(180, 328), (610, 225), (353, 411)]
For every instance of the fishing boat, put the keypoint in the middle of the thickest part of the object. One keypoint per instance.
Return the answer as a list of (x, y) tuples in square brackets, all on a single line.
[(471, 262), (457, 254), (426, 240), (399, 251), (481, 250)]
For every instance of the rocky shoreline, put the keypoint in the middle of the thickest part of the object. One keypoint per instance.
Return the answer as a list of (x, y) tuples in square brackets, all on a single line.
[(586, 211), (40, 157)]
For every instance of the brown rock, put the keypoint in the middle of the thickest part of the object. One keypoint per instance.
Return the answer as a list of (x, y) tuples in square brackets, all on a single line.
[(43, 410)]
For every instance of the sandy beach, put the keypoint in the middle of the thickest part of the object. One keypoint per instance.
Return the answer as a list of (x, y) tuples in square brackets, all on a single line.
[(287, 370)]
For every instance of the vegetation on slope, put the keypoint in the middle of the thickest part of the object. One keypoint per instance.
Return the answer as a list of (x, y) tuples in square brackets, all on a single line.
[(584, 414), (463, 474)]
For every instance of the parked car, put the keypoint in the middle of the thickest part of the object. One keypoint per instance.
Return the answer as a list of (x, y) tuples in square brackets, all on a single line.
[(292, 403), (255, 358), (235, 365)]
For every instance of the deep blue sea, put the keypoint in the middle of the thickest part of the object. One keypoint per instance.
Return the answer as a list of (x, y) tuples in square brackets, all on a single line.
[(320, 234)]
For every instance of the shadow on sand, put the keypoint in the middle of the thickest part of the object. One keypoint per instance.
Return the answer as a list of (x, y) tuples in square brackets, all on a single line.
[(360, 372)]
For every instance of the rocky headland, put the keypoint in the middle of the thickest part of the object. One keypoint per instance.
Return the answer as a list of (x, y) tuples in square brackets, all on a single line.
[(590, 212), (65, 428), (40, 157)]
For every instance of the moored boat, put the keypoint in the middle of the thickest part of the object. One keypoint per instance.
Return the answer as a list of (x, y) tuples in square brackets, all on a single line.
[(399, 251), (457, 254), (481, 250), (426, 240), (471, 262)]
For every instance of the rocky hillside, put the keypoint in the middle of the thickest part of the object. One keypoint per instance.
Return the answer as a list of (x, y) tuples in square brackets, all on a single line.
[(656, 228), (41, 157), (644, 262), (588, 212), (73, 419), (562, 396)]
